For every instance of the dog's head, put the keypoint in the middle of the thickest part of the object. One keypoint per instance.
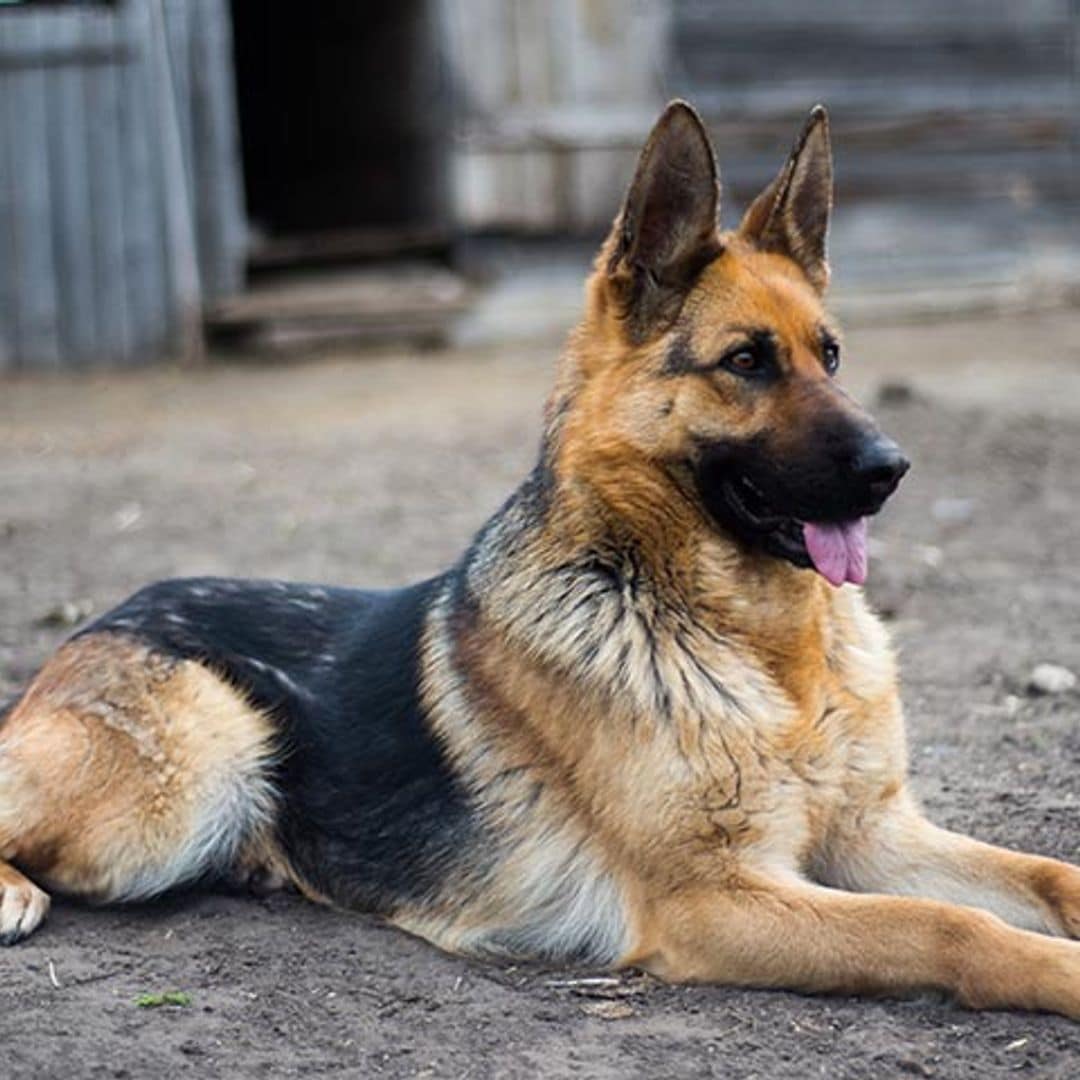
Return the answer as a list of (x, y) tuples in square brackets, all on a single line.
[(711, 354)]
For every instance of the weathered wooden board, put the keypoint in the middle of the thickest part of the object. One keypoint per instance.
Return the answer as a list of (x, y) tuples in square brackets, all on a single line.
[(974, 98), (105, 176), (30, 228), (88, 263), (219, 213), (415, 303), (145, 251), (553, 98), (8, 266), (72, 207)]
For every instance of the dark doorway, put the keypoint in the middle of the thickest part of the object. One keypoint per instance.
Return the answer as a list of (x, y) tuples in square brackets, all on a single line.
[(344, 127)]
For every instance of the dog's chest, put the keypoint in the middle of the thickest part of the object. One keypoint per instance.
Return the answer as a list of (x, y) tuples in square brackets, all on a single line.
[(753, 764)]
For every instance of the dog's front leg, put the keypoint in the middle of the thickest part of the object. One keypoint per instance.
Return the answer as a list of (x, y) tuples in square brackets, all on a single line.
[(894, 849), (800, 936)]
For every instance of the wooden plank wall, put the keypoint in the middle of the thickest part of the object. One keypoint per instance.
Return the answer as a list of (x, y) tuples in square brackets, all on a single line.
[(966, 98), (954, 128), (552, 97), (220, 222), (91, 258)]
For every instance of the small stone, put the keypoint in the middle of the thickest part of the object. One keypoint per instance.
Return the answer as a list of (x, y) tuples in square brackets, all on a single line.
[(1051, 679), (930, 556), (895, 393), (67, 613), (952, 511), (127, 517)]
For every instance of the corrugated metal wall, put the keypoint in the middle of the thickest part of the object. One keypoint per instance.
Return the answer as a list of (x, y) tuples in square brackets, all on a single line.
[(120, 195)]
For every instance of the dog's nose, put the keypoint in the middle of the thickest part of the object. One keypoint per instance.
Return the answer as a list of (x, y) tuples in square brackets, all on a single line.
[(880, 465)]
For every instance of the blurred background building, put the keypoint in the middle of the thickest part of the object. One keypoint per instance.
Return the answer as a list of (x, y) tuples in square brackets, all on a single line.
[(246, 171)]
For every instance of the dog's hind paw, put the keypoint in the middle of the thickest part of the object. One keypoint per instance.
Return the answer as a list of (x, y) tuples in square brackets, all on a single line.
[(23, 906)]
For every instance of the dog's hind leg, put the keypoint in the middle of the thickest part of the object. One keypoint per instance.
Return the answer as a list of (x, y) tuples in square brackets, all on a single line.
[(894, 849), (124, 773)]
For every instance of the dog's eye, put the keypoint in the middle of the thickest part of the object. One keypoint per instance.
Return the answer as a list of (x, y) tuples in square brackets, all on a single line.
[(751, 357), (832, 357), (744, 361)]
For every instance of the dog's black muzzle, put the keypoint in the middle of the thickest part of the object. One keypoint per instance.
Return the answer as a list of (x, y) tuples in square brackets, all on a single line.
[(763, 495)]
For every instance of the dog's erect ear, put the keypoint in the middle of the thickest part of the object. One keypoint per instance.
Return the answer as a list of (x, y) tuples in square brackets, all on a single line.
[(791, 216), (667, 229)]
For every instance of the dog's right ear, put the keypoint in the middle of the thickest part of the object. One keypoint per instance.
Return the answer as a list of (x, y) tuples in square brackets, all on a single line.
[(791, 216), (666, 231)]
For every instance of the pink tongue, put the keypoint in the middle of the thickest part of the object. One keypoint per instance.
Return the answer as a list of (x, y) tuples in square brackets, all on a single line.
[(838, 552)]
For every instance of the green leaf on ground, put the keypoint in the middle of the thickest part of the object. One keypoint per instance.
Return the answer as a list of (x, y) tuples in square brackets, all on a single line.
[(166, 997)]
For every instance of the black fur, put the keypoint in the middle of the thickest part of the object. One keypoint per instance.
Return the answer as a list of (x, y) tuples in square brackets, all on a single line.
[(370, 814), (680, 358)]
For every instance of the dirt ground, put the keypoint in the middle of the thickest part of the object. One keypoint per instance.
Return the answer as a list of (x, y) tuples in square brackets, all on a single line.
[(375, 470)]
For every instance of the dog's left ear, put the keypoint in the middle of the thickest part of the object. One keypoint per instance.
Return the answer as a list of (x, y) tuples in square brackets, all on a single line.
[(791, 216), (667, 230)]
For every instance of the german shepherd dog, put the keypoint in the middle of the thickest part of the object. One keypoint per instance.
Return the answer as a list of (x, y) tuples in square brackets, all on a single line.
[(647, 719)]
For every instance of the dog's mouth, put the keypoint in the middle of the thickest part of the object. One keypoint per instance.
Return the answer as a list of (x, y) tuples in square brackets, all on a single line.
[(836, 549)]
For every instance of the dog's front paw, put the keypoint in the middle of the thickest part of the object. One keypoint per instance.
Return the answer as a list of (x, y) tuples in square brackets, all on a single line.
[(1058, 884), (23, 906)]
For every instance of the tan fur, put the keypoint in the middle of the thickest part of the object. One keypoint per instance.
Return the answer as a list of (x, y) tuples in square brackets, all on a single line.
[(123, 773)]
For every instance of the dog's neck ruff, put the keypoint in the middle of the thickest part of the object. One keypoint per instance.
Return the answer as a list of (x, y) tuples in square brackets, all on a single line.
[(645, 628)]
